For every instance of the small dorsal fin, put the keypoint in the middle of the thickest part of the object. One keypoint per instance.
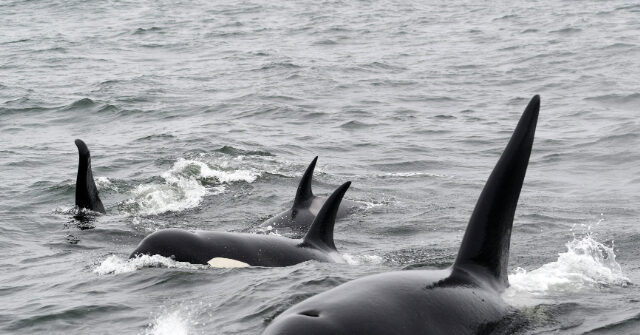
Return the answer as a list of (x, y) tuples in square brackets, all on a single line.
[(86, 191), (304, 192), (487, 238), (321, 232)]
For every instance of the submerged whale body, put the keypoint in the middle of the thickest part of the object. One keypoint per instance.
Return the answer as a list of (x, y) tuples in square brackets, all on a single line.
[(464, 299), (305, 207), (225, 249), (86, 190)]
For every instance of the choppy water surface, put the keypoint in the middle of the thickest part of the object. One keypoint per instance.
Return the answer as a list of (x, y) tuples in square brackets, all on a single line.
[(203, 115)]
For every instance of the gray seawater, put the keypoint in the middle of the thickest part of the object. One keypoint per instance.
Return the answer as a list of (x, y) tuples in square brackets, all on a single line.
[(202, 115)]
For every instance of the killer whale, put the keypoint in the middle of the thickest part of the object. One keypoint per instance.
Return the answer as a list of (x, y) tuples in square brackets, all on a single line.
[(244, 249), (86, 190), (464, 299), (305, 207)]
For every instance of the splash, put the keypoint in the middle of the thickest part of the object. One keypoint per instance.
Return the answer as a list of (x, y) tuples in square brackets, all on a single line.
[(362, 259), (221, 176), (170, 323), (116, 265), (66, 210), (104, 183), (176, 194), (412, 174), (184, 187), (586, 263), (75, 211), (367, 205)]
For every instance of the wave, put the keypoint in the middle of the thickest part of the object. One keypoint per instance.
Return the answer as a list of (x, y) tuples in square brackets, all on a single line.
[(170, 323), (370, 204), (411, 174), (176, 194), (184, 187), (116, 265), (624, 100), (221, 176), (567, 30), (229, 150), (619, 45), (104, 183), (85, 214), (353, 124), (91, 106), (80, 104), (156, 137), (362, 259), (586, 263), (627, 323), (142, 31)]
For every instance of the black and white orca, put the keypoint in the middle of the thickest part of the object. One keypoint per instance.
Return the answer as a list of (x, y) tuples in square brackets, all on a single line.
[(225, 249), (464, 299), (305, 207)]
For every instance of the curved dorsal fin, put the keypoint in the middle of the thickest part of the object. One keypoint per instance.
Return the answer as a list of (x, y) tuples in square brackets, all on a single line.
[(86, 191), (321, 232), (486, 240), (304, 192)]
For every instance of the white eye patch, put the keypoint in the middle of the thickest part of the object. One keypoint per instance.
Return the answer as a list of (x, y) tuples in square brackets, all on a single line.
[(221, 262)]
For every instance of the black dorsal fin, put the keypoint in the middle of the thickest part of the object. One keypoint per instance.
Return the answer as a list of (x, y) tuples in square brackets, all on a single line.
[(320, 234), (86, 191), (304, 192), (486, 240)]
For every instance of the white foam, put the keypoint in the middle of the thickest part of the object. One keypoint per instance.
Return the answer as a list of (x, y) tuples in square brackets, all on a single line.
[(412, 174), (177, 194), (74, 210), (66, 210), (369, 204), (116, 265), (362, 259), (222, 176), (170, 323), (104, 183), (586, 263), (183, 187)]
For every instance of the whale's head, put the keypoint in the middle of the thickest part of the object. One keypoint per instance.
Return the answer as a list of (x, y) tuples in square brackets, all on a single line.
[(328, 314), (308, 322), (464, 299), (177, 244)]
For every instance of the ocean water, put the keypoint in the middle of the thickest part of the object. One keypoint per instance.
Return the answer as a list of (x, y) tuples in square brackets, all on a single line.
[(203, 115)]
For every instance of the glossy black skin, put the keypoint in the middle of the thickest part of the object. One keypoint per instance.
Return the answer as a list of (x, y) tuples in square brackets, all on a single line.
[(86, 190), (305, 207), (403, 302), (253, 249), (465, 299)]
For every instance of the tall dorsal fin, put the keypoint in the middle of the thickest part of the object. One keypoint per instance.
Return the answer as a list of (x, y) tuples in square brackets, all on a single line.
[(486, 240), (320, 234), (86, 191), (304, 192)]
